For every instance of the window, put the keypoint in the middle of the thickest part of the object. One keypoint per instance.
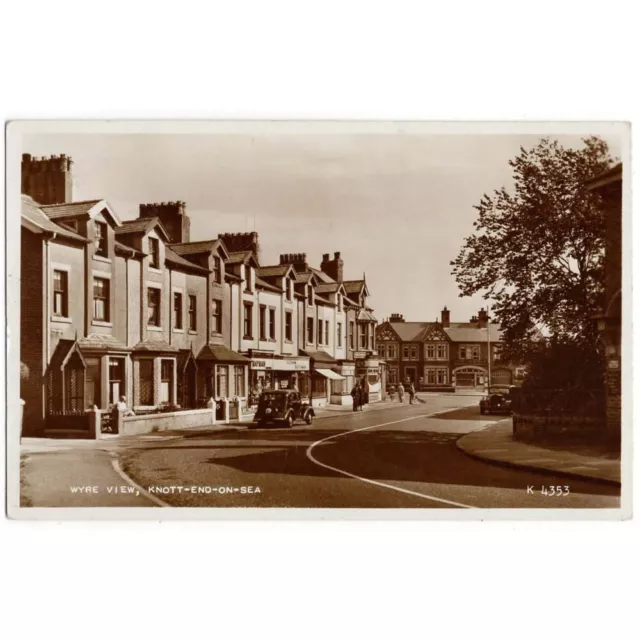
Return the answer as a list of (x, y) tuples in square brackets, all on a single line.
[(405, 353), (247, 278), (393, 376), (101, 239), (371, 330), (442, 376), (463, 353), (320, 334), (154, 253), (352, 329), (431, 351), (177, 310), (217, 270), (382, 350), (288, 326), (146, 392), (475, 353), (339, 334), (288, 287), (60, 293), (222, 380), (442, 352), (216, 316), (263, 322), (239, 376), (101, 299), (193, 316), (431, 376), (166, 381), (363, 336), (272, 323), (248, 320), (339, 298), (414, 353), (310, 295), (496, 353), (310, 330), (153, 307), (93, 383), (391, 351), (326, 332)]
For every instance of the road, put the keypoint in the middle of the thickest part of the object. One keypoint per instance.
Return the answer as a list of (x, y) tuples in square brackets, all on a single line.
[(403, 457)]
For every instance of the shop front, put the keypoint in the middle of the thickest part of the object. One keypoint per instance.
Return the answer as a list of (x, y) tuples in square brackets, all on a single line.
[(317, 385), (270, 372)]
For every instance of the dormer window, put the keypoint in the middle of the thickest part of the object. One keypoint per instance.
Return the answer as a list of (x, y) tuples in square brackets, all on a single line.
[(288, 289), (217, 270), (247, 277), (154, 253), (101, 239), (310, 295), (339, 299)]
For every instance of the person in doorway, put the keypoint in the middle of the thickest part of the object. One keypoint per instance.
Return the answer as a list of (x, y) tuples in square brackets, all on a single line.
[(357, 396), (364, 395), (412, 392), (401, 392)]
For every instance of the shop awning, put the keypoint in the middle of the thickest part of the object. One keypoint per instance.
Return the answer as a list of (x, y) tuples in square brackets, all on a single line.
[(332, 375), (220, 353), (320, 357)]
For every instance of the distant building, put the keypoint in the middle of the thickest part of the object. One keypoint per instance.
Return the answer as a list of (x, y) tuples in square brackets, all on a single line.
[(443, 355)]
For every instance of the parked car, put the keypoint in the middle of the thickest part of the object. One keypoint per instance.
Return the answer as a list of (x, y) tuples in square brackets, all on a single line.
[(284, 407), (497, 401)]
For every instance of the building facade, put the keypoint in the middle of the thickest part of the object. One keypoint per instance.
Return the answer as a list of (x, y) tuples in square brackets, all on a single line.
[(443, 355), (135, 308)]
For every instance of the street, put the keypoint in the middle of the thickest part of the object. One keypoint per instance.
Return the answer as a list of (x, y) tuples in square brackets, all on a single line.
[(401, 457)]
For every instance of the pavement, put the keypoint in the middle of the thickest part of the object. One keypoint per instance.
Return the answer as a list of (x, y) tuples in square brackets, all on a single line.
[(495, 443)]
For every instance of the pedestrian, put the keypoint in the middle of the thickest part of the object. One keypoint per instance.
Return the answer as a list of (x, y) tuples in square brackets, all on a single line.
[(356, 395), (412, 392), (364, 396), (401, 392)]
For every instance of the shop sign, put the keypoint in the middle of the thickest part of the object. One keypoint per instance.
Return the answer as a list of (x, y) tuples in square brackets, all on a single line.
[(260, 364), (292, 365)]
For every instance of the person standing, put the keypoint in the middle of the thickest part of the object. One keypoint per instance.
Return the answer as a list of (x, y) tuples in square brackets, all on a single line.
[(364, 395), (356, 395), (412, 392), (401, 392)]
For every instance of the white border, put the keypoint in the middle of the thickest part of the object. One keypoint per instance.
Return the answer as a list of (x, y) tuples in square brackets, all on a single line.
[(14, 149)]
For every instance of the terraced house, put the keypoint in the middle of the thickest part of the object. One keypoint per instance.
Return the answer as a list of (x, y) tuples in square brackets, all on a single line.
[(135, 308), (443, 355)]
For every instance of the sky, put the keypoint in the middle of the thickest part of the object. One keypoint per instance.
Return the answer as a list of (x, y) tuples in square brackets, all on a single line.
[(397, 207)]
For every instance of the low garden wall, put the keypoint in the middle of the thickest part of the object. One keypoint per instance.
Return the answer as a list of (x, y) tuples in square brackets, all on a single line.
[(135, 425)]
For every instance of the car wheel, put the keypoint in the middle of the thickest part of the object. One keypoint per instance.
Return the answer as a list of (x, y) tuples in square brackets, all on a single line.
[(309, 418), (289, 421)]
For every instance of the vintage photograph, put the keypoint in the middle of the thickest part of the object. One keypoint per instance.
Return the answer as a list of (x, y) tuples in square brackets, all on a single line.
[(318, 319)]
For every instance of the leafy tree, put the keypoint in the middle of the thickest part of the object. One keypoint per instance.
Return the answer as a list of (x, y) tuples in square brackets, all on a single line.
[(537, 254)]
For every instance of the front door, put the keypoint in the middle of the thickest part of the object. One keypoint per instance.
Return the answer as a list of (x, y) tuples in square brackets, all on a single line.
[(411, 374)]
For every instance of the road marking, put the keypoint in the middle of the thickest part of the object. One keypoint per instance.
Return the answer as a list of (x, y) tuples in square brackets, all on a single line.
[(118, 469), (376, 482)]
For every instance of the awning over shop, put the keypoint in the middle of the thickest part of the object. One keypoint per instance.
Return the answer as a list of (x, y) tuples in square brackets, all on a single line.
[(222, 354), (320, 357), (332, 375)]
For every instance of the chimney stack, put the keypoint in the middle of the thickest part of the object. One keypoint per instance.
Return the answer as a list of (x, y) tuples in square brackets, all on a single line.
[(298, 260), (173, 216), (333, 268), (445, 317), (47, 180), (483, 317), (242, 242), (396, 317)]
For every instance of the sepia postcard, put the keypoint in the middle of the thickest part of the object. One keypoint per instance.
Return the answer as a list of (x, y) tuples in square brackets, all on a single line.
[(294, 320)]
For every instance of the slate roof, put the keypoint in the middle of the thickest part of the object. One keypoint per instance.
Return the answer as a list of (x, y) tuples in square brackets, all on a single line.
[(348, 301), (220, 353), (101, 342), (68, 208), (321, 275), (187, 248), (365, 314), (276, 270), (141, 225), (239, 257), (328, 287), (33, 214), (265, 285), (127, 250), (171, 257), (303, 277), (232, 277), (155, 346), (410, 331), (322, 300), (469, 332), (60, 353), (353, 286)]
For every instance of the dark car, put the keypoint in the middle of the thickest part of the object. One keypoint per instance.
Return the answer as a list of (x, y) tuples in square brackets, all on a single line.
[(283, 407), (497, 401)]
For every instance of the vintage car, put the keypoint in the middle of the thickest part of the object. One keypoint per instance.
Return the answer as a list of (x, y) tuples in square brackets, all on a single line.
[(282, 406), (498, 400)]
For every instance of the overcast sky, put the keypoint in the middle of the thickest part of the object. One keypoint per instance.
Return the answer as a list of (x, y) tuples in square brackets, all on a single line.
[(396, 206)]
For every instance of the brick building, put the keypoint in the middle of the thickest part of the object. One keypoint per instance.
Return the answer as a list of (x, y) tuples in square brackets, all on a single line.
[(443, 355)]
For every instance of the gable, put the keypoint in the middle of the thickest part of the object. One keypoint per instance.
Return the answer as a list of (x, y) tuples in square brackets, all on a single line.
[(435, 334), (385, 332)]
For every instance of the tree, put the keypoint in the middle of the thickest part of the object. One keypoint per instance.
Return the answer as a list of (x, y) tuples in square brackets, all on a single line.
[(537, 253)]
